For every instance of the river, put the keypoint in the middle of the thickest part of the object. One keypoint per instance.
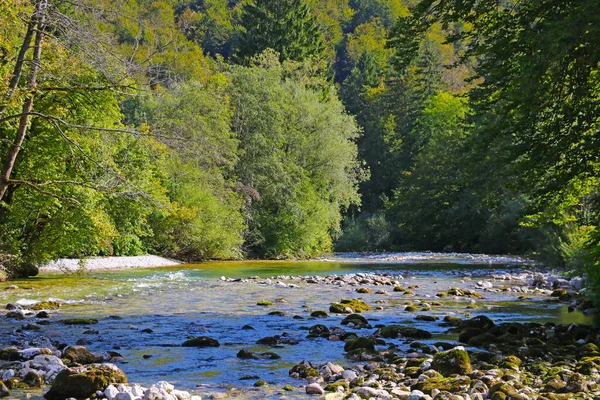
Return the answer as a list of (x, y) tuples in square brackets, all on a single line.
[(146, 314)]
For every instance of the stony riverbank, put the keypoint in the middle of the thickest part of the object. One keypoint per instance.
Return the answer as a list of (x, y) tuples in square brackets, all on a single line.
[(480, 359)]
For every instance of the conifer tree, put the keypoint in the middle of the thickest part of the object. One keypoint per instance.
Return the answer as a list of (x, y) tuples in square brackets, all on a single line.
[(286, 26)]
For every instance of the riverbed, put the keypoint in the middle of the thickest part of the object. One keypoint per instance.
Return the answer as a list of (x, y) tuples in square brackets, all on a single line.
[(146, 314)]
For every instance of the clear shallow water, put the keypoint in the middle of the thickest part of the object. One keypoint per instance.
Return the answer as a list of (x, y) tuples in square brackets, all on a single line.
[(185, 301)]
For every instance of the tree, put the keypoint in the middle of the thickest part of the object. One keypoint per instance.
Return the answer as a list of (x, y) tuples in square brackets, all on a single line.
[(286, 26), (298, 162)]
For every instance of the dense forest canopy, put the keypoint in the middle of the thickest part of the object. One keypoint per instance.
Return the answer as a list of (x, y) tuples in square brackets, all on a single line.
[(202, 129)]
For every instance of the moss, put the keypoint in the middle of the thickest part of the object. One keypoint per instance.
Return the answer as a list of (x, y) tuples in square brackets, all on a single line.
[(264, 303), (277, 313), (509, 392), (454, 361), (79, 321), (15, 383), (512, 362), (288, 388), (399, 288), (364, 290), (411, 308), (46, 305), (260, 383), (356, 305), (412, 372), (333, 387)]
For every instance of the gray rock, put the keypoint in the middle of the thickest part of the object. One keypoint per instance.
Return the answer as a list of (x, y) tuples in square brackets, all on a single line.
[(368, 392), (125, 396), (315, 388), (349, 375)]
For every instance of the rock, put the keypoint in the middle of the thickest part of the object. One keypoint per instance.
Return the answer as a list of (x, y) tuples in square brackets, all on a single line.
[(84, 381), (16, 314), (247, 354), (303, 370), (79, 321), (201, 341), (357, 320), (124, 396), (394, 331), (349, 306), (264, 303), (319, 330), (80, 355), (110, 392), (360, 343), (181, 395), (4, 392), (349, 375), (46, 305), (454, 361), (369, 392), (260, 382), (10, 354), (319, 314), (416, 395), (315, 388)]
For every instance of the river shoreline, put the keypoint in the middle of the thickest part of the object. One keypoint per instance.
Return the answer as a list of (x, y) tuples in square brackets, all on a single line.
[(108, 263)]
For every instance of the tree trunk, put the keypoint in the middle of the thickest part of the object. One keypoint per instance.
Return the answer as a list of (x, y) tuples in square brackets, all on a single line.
[(11, 156), (16, 76)]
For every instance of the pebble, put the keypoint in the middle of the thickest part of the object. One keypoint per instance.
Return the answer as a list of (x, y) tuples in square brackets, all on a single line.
[(314, 388)]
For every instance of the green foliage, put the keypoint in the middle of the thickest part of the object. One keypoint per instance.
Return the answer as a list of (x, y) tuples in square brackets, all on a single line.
[(286, 26), (298, 162)]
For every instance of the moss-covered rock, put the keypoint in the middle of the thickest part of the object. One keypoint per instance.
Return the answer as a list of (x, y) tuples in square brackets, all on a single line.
[(428, 318), (394, 331), (201, 341), (363, 343), (319, 330), (460, 384), (264, 303), (10, 354), (260, 382), (79, 355), (349, 306), (507, 391), (79, 321), (411, 308), (480, 322), (357, 320), (303, 370), (335, 386), (83, 382), (46, 305), (453, 361), (250, 355), (319, 314), (364, 290), (399, 288)]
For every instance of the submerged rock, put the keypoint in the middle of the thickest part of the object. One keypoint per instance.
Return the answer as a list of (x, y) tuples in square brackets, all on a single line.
[(250, 355), (201, 341), (356, 320), (83, 382)]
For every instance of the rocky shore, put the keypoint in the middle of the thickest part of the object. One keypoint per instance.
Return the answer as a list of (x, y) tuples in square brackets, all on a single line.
[(486, 360)]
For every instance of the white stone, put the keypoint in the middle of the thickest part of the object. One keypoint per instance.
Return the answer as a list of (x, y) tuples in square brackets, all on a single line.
[(164, 385), (368, 392), (125, 396), (349, 375), (122, 388), (180, 394), (196, 398), (137, 391), (314, 388), (335, 369), (9, 373), (111, 392), (416, 395)]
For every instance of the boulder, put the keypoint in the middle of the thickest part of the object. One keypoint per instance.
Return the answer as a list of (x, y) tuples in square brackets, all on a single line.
[(357, 320), (315, 388), (394, 331), (82, 382), (454, 361), (80, 355), (349, 306)]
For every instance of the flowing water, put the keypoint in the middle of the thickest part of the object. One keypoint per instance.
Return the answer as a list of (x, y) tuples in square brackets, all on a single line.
[(177, 303)]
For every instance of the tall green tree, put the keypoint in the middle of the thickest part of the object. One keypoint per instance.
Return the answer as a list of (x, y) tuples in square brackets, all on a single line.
[(286, 26)]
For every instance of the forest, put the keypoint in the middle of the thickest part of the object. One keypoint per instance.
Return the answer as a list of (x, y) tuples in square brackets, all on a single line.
[(226, 129)]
